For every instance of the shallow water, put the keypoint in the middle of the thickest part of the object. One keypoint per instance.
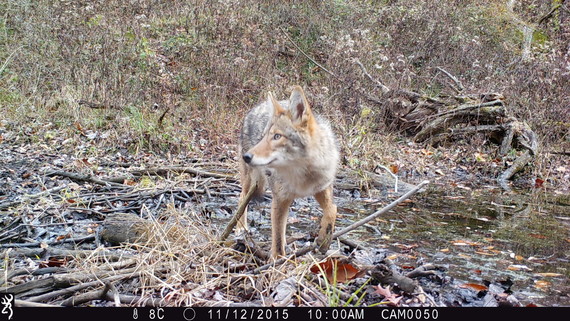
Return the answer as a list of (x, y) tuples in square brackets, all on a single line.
[(479, 236)]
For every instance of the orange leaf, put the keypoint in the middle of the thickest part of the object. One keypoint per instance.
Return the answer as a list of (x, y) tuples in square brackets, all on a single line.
[(464, 243), (62, 237), (537, 236), (334, 268), (473, 286), (78, 126), (549, 274), (54, 262), (394, 169), (542, 285)]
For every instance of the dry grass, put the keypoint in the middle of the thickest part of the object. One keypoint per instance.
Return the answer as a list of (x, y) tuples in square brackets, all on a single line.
[(182, 263)]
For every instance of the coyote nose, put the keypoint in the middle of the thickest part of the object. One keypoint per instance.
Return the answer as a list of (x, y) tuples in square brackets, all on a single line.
[(247, 157)]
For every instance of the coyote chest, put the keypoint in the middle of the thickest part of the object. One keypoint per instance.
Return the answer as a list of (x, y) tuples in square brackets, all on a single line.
[(301, 181)]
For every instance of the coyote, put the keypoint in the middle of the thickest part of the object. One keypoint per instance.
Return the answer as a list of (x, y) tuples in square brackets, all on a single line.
[(284, 144)]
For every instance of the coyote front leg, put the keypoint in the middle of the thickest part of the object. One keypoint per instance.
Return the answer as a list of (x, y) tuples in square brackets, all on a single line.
[(325, 199), (279, 214)]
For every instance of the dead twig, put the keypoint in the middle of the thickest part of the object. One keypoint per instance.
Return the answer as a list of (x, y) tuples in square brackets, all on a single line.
[(85, 178), (26, 304), (454, 79), (86, 297), (241, 209), (306, 55), (30, 197), (189, 170), (82, 239)]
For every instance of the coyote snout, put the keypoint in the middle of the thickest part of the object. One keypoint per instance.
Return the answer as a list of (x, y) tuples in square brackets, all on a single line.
[(284, 144)]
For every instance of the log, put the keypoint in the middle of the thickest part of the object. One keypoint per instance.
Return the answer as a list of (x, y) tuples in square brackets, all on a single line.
[(489, 112), (119, 228), (386, 274)]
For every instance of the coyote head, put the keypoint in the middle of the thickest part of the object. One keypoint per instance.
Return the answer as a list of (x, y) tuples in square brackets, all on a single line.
[(289, 132)]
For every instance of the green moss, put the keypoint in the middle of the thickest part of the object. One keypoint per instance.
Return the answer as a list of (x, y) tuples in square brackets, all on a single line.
[(539, 37)]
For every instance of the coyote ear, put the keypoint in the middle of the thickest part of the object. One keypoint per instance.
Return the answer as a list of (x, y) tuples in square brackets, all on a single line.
[(299, 106), (277, 108)]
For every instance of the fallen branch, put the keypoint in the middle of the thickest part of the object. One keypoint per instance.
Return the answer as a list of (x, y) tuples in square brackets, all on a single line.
[(137, 300), (241, 209), (347, 229), (423, 270), (550, 13), (455, 80), (517, 165), (85, 178), (189, 170), (86, 297), (387, 273), (51, 251), (65, 281), (77, 240), (26, 198), (25, 304)]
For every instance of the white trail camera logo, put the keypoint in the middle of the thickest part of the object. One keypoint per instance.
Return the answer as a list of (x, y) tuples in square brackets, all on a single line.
[(6, 301)]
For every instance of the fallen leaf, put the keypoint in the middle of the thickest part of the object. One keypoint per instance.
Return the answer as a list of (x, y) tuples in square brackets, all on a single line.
[(537, 236), (542, 285), (394, 169), (426, 152), (387, 294), (62, 237), (488, 253), (336, 270), (549, 274), (518, 267), (538, 183), (53, 262), (392, 257), (473, 286), (78, 127), (479, 157), (464, 243)]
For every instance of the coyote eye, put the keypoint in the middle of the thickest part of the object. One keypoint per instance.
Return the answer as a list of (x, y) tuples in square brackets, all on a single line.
[(276, 136)]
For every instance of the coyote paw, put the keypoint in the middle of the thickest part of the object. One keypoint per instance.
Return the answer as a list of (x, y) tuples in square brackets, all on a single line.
[(323, 242)]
